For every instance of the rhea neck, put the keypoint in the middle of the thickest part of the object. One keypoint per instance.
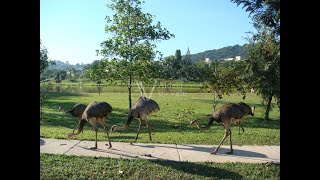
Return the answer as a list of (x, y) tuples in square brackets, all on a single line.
[(116, 128), (62, 109)]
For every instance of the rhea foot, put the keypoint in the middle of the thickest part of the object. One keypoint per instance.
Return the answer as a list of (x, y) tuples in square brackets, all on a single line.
[(94, 147), (214, 152), (110, 146)]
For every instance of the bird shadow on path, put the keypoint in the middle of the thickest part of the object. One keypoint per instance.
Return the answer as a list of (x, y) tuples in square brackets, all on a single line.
[(121, 153), (222, 151)]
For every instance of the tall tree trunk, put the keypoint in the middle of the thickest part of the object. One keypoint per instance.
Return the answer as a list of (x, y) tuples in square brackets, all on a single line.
[(40, 112), (266, 115), (129, 88), (214, 101), (129, 93)]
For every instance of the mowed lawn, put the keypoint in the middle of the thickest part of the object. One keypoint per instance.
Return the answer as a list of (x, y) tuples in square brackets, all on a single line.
[(75, 167), (169, 125)]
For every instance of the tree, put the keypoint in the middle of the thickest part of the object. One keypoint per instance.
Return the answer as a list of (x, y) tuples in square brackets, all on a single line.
[(130, 44), (266, 12), (44, 63), (97, 72), (264, 49), (61, 75), (45, 88), (186, 66), (222, 77), (264, 72), (178, 56)]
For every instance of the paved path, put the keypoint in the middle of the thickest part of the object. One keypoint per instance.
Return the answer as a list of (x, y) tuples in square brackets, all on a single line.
[(174, 152)]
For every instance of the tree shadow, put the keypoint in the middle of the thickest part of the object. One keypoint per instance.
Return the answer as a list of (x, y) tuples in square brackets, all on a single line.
[(249, 122), (65, 94), (69, 105), (222, 102), (60, 118), (199, 169), (121, 138), (158, 124)]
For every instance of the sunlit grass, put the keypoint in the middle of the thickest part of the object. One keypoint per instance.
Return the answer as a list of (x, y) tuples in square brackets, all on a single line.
[(75, 167), (164, 124)]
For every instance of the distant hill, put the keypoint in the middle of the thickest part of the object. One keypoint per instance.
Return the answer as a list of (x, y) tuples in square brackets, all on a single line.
[(219, 54), (222, 53), (60, 65)]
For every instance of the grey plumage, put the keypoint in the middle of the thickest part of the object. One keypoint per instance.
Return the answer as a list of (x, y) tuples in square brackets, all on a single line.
[(144, 106), (76, 111), (141, 109), (233, 111), (97, 109), (95, 112), (227, 114)]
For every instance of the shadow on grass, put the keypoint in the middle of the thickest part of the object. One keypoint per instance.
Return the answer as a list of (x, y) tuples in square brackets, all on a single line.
[(249, 122), (186, 167), (59, 118), (157, 121), (68, 105), (64, 94), (119, 117), (200, 169), (222, 102), (122, 137)]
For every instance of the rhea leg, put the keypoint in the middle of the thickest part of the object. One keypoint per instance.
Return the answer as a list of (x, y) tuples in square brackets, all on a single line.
[(140, 124), (225, 136), (96, 131), (239, 125), (103, 123), (77, 126), (149, 129), (96, 144), (231, 150)]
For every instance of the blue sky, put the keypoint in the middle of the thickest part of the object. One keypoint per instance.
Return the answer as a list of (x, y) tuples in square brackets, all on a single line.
[(72, 30)]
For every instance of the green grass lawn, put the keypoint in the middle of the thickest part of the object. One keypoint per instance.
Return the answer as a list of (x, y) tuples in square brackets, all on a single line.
[(173, 111), (74, 167)]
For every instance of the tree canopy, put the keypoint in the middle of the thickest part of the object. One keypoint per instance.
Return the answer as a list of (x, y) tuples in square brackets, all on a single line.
[(131, 47), (264, 49), (44, 63)]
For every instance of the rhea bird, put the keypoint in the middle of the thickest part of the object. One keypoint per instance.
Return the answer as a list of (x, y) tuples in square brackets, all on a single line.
[(95, 112), (141, 109), (227, 114), (76, 111)]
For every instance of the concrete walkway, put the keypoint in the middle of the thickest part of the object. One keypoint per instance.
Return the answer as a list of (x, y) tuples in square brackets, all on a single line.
[(174, 152)]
